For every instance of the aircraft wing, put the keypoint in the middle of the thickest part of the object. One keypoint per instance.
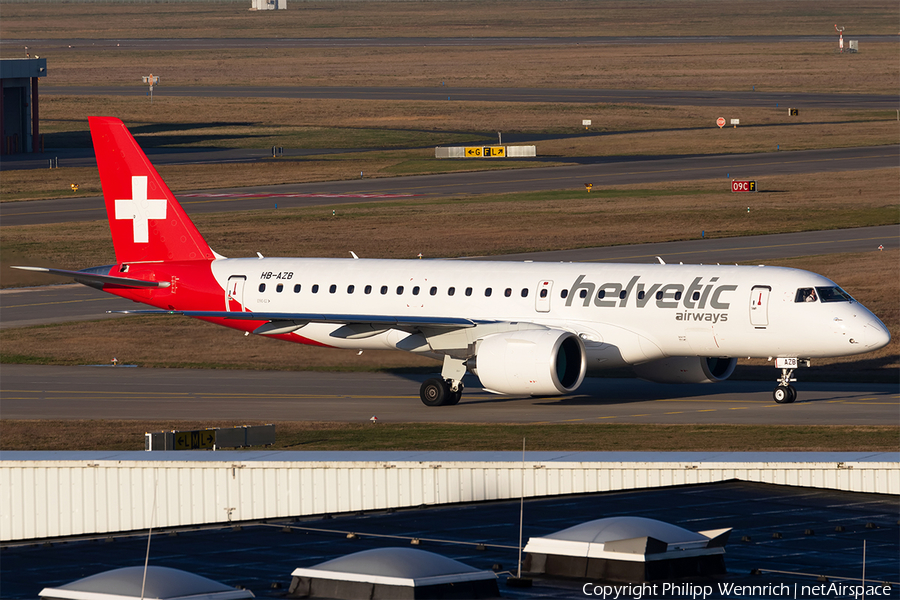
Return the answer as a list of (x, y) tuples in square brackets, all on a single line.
[(298, 318)]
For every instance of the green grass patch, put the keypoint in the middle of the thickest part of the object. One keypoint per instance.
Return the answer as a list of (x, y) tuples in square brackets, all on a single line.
[(129, 435)]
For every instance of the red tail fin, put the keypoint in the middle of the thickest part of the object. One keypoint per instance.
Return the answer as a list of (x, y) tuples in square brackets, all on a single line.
[(147, 222)]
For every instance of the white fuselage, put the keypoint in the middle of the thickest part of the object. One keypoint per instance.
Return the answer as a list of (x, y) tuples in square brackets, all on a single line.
[(624, 313)]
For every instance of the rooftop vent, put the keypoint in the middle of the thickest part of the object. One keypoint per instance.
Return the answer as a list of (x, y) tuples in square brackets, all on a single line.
[(399, 573), (162, 583), (631, 549)]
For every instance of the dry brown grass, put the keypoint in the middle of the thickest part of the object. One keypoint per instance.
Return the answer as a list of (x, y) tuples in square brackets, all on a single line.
[(502, 224), (129, 435), (733, 66), (498, 18)]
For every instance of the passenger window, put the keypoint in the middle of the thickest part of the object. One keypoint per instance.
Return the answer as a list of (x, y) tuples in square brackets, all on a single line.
[(659, 295), (641, 295), (487, 292), (315, 289), (583, 293), (805, 295), (678, 295), (695, 296), (279, 288), (451, 291), (368, 289), (350, 288), (262, 287), (507, 292), (601, 294), (468, 291), (524, 292), (416, 291), (543, 293), (564, 293), (332, 289), (433, 290), (399, 289), (383, 290), (297, 288), (622, 294)]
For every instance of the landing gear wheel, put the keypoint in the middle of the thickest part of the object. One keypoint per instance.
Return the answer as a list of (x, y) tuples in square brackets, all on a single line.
[(436, 392), (784, 394)]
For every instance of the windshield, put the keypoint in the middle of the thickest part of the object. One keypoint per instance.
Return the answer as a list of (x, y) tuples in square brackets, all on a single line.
[(833, 294)]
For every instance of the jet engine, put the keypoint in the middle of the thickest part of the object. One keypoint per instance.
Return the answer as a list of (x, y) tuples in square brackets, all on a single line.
[(686, 369), (538, 362)]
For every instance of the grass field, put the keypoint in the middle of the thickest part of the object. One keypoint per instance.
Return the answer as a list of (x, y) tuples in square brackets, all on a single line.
[(129, 435), (499, 224), (449, 18)]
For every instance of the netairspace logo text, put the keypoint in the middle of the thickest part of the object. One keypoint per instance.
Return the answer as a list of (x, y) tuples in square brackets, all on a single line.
[(731, 590)]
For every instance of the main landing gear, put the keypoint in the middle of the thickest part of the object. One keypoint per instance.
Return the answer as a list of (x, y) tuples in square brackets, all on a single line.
[(785, 393), (438, 392), (447, 389)]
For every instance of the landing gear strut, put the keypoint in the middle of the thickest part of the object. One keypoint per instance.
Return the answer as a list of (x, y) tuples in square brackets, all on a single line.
[(785, 392)]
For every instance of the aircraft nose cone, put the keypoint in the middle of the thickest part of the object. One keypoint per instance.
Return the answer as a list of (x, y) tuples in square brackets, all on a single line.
[(875, 335)]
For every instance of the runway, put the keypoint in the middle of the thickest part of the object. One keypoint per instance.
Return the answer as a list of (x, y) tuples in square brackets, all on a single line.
[(102, 392), (601, 172)]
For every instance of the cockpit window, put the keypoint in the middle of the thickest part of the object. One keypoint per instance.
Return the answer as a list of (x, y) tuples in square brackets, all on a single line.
[(806, 295), (833, 294)]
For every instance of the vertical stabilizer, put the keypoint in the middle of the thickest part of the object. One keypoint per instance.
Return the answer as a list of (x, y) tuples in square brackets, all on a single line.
[(146, 221)]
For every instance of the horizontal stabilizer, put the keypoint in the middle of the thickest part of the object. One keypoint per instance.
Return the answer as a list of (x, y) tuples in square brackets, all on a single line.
[(88, 278), (286, 318)]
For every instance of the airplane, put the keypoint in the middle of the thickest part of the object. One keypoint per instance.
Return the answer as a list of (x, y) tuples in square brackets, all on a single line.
[(529, 328)]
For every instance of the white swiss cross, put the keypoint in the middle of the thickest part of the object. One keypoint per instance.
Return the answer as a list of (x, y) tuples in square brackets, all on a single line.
[(140, 210)]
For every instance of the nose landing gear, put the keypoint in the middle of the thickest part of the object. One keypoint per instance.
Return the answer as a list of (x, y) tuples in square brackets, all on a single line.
[(785, 393)]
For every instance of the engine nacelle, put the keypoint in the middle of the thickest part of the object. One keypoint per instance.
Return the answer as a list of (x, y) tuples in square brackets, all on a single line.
[(686, 369), (538, 362)]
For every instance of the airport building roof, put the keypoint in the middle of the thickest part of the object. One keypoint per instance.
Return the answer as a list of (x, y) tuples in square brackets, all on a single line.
[(792, 530)]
